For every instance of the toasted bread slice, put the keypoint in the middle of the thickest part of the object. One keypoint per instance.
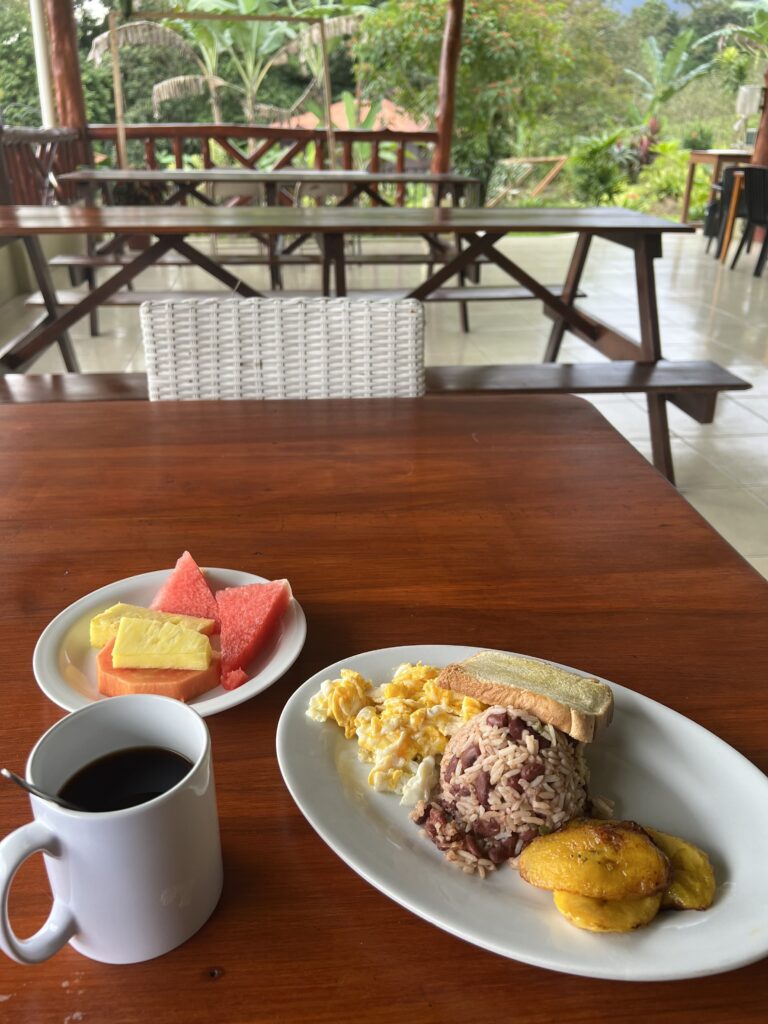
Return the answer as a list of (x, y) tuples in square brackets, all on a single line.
[(577, 705)]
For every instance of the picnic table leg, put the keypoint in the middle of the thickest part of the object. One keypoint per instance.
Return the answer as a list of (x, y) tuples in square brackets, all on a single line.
[(333, 253), (688, 190), (570, 290), (21, 350), (463, 275), (211, 267), (48, 292), (646, 250)]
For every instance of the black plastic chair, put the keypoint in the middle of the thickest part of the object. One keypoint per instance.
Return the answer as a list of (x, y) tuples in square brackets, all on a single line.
[(755, 194), (717, 210)]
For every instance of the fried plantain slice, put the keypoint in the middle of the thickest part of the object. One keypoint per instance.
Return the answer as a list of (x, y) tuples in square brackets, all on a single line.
[(692, 885), (607, 915), (606, 860)]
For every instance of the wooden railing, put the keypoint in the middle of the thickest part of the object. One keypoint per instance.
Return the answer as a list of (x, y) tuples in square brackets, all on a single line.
[(31, 159), (272, 148)]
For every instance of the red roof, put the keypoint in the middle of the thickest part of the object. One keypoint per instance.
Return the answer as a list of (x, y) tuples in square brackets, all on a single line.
[(389, 116)]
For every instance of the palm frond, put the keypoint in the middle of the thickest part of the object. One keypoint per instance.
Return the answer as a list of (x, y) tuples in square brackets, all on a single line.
[(140, 33), (181, 87), (343, 25), (641, 79)]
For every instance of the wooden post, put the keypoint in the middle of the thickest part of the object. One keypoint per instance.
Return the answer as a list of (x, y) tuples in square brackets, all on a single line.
[(65, 70), (117, 89), (43, 64), (760, 154), (327, 97), (446, 101)]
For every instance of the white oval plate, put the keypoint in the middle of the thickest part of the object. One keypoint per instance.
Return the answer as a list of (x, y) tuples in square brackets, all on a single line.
[(64, 662), (661, 769)]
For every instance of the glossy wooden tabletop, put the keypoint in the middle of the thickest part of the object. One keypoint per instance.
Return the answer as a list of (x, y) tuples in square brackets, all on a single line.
[(525, 524), (308, 175), (174, 220)]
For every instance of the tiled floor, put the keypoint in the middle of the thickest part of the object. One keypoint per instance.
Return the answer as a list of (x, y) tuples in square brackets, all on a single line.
[(706, 312)]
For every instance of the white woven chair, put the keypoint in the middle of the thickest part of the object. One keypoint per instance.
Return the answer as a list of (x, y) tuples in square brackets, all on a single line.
[(283, 348)]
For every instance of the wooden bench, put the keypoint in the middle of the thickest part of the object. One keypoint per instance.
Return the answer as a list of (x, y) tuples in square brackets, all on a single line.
[(82, 267), (66, 298), (693, 386)]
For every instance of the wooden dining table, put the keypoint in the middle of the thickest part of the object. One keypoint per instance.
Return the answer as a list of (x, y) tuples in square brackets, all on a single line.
[(530, 526), (187, 182)]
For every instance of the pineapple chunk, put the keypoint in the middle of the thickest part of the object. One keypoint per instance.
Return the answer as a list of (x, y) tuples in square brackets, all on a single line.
[(104, 625), (147, 643)]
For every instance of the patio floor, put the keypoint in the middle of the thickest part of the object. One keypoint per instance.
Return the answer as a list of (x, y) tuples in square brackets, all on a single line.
[(706, 312)]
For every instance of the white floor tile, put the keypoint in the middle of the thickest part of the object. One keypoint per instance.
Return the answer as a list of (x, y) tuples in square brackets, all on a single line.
[(738, 515)]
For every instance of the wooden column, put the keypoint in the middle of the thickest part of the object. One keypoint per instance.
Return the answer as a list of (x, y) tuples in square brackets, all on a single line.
[(760, 154), (446, 100), (65, 68)]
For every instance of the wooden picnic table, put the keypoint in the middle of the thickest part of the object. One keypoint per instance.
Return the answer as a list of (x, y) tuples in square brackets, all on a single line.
[(192, 183), (529, 526), (478, 229), (188, 181)]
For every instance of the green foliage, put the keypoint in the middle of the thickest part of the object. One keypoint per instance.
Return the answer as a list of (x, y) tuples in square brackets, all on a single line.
[(661, 184), (18, 83), (596, 171), (666, 73), (699, 136), (512, 51)]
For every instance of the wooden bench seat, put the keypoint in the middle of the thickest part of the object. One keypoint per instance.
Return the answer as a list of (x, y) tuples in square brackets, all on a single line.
[(672, 379), (475, 293), (72, 387), (692, 385)]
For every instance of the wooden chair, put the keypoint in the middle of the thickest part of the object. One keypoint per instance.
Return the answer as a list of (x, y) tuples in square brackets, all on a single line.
[(25, 177), (755, 196), (283, 348)]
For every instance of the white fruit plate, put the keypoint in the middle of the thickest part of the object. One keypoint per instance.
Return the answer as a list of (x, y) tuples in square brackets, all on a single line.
[(64, 662)]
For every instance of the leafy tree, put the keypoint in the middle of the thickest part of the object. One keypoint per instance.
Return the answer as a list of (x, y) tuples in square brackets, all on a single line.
[(655, 18), (590, 93), (511, 53), (666, 74), (19, 102)]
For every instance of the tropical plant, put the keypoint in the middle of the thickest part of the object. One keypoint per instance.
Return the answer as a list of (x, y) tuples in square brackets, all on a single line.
[(666, 73), (661, 184), (596, 171), (339, 20), (203, 51), (251, 47), (741, 49)]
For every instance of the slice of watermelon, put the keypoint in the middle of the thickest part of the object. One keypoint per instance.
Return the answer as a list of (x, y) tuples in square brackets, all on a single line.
[(186, 592), (248, 617)]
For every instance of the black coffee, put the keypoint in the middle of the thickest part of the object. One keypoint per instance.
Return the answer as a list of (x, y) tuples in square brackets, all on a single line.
[(125, 778)]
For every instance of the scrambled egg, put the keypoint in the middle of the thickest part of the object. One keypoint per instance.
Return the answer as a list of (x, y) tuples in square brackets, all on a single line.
[(402, 727)]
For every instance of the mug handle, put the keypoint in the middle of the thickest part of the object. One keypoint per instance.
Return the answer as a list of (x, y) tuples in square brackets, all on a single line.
[(60, 926)]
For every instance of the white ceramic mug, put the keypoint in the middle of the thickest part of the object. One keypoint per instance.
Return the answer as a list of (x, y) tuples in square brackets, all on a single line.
[(131, 884)]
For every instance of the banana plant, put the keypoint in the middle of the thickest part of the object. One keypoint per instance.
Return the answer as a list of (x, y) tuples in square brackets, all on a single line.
[(202, 48), (666, 74)]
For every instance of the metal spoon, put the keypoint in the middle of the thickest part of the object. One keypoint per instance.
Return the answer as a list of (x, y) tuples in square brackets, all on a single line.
[(38, 792)]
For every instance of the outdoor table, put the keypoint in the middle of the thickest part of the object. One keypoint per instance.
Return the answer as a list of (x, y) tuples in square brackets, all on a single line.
[(188, 182), (529, 526), (717, 159), (479, 230)]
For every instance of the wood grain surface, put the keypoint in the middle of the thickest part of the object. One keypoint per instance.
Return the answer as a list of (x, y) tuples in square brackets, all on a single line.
[(526, 524), (16, 221), (98, 176)]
